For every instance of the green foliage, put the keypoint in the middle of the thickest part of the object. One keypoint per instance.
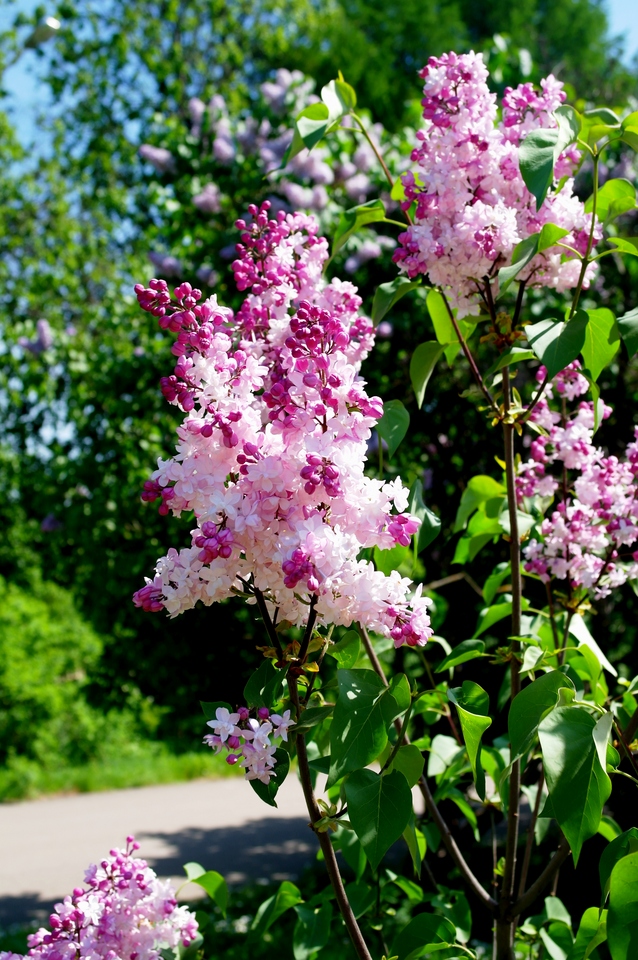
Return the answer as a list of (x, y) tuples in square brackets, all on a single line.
[(578, 785), (557, 344), (622, 916), (393, 425), (379, 809)]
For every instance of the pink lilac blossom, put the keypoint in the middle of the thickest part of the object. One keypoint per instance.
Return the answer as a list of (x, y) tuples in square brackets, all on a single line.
[(249, 740), (272, 449), (126, 912), (472, 206), (590, 538)]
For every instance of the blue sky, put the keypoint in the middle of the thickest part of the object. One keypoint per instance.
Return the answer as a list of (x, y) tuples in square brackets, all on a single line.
[(21, 79)]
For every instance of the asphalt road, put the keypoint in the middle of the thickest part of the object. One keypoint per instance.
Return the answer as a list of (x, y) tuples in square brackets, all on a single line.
[(45, 845)]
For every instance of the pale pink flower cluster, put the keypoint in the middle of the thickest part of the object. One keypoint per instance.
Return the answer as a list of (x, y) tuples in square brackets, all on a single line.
[(472, 206), (588, 538), (251, 741), (127, 912), (272, 449)]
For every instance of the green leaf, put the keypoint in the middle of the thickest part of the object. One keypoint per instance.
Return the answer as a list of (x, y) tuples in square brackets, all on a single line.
[(214, 885), (393, 425), (392, 559), (500, 573), (530, 707), (315, 121), (609, 829), (312, 930), (525, 251), (353, 853), (379, 809), (409, 760), (629, 133), (628, 327), (265, 685), (422, 364), (416, 844), (346, 651), (479, 489), (557, 344), (193, 870), (472, 703), (424, 928), (396, 699), (577, 783), (602, 340), (353, 219), (361, 896), (592, 931), (387, 294), (578, 628), (598, 123), (430, 523), (622, 916), (440, 317), (522, 254), (614, 197), (510, 357), (623, 845), (268, 791), (625, 244), (491, 615), (540, 150), (210, 708), (467, 650), (271, 909), (358, 731), (313, 716)]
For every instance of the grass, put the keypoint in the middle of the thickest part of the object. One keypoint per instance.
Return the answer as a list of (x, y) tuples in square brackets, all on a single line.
[(151, 764)]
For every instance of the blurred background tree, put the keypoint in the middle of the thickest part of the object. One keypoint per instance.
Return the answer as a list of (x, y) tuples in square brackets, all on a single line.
[(81, 213)]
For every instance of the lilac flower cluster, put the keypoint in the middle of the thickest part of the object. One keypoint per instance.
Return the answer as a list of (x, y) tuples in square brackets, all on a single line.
[(127, 912), (472, 206), (249, 740), (588, 538), (272, 448), (264, 135)]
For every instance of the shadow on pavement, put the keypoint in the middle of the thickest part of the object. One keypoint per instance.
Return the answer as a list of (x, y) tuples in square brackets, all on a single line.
[(260, 850), (269, 849)]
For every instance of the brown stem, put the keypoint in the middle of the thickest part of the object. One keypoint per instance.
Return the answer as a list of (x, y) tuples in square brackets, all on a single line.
[(327, 849), (552, 615), (530, 834), (541, 882), (433, 810), (630, 730), (625, 744), (539, 394), (507, 887), (379, 156), (268, 623), (454, 578), (476, 373)]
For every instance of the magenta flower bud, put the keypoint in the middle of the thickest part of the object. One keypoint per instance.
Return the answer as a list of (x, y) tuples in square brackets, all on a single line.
[(232, 759), (233, 742), (243, 712), (263, 713)]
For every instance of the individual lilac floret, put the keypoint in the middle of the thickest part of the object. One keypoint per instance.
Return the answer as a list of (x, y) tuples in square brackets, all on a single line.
[(126, 912)]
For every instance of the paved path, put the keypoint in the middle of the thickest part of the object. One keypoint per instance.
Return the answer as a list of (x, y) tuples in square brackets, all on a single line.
[(46, 844)]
